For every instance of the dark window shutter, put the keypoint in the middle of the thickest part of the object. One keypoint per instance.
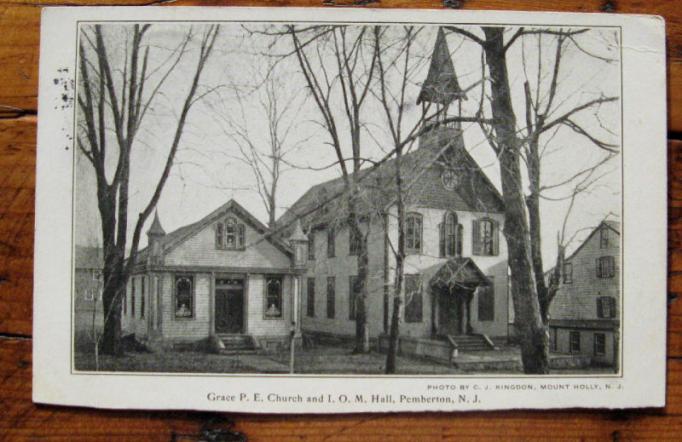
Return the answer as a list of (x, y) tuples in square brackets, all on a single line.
[(476, 237), (600, 307), (496, 237), (460, 239), (240, 233), (441, 239), (598, 261)]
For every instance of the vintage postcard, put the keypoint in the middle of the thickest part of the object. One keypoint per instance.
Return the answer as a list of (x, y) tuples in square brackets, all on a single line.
[(322, 210)]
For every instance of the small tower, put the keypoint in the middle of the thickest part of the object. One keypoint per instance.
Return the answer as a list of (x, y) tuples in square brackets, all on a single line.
[(154, 235), (299, 242), (441, 86)]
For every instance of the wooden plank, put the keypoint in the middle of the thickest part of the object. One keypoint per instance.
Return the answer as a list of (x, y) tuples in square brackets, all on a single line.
[(23, 420), (17, 189), (20, 24)]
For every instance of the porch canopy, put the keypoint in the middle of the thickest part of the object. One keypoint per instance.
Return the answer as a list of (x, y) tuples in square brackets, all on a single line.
[(458, 273)]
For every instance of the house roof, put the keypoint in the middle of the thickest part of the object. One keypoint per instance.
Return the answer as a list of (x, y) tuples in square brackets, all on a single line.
[(178, 236), (613, 225), (322, 204), (441, 85), (88, 257)]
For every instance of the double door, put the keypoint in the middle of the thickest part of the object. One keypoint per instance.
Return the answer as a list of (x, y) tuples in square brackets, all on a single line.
[(229, 305)]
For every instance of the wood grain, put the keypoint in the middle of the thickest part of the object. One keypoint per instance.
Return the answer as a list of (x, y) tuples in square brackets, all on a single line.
[(22, 420)]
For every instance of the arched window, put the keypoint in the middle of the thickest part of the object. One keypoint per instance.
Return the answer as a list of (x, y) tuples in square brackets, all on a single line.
[(230, 234), (450, 236), (413, 233)]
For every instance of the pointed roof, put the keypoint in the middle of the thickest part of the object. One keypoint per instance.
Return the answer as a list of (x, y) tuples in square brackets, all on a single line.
[(178, 236), (459, 272), (441, 85), (156, 229), (298, 234)]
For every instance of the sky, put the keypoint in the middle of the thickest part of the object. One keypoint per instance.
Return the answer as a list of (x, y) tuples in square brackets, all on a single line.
[(208, 170)]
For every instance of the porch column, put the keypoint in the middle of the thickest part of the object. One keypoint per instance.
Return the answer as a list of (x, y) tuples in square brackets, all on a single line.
[(296, 303), (434, 311), (211, 305)]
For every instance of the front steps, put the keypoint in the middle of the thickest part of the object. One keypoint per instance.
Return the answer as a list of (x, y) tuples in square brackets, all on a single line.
[(471, 343), (236, 344)]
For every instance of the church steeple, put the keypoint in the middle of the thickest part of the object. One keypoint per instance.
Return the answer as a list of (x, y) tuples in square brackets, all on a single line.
[(441, 85)]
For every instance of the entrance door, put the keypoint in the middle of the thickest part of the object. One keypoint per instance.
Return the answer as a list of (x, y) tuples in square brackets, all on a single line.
[(229, 306), (449, 314)]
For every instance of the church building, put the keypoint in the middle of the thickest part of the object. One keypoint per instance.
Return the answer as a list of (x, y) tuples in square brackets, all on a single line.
[(456, 281)]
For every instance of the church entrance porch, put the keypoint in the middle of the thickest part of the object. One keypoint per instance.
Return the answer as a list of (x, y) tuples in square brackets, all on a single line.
[(453, 287)]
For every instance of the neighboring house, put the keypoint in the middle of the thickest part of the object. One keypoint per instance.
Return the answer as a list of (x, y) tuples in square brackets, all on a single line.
[(87, 299), (456, 265), (221, 276), (585, 313)]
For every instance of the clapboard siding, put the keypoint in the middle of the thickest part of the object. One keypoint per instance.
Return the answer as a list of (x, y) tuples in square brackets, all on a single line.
[(256, 323), (578, 300), (186, 328), (200, 250)]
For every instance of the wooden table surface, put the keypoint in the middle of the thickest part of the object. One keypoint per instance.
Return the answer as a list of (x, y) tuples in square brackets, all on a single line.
[(20, 419)]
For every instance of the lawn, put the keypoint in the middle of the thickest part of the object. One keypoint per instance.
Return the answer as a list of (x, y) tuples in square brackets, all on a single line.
[(323, 359)]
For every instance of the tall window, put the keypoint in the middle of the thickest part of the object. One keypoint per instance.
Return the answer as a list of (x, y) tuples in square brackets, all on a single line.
[(568, 273), (599, 344), (229, 235), (331, 242), (485, 237), (331, 297), (354, 241), (353, 292), (273, 297), (142, 297), (311, 245), (310, 306), (553, 344), (606, 267), (606, 307), (132, 297), (413, 298), (486, 302), (604, 237), (184, 296), (574, 342), (450, 236), (413, 233)]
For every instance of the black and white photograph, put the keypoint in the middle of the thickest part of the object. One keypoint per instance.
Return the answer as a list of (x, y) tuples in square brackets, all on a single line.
[(340, 199)]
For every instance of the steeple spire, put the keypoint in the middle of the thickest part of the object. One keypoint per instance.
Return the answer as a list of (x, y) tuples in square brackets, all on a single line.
[(156, 229), (441, 85)]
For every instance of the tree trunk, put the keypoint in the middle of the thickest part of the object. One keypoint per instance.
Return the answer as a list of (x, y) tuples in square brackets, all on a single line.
[(394, 337), (361, 326), (534, 340)]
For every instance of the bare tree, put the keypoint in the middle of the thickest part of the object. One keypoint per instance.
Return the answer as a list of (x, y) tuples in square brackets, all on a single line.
[(119, 91), (263, 153), (338, 73), (513, 145)]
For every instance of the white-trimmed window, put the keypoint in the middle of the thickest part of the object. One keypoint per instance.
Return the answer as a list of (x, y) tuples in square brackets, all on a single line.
[(568, 273), (450, 236), (574, 341), (485, 237), (599, 344), (413, 233), (184, 296), (273, 297), (606, 267)]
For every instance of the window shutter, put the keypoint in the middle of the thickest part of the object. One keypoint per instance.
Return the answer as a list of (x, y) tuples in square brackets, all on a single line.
[(441, 239), (496, 237), (460, 239), (598, 261), (240, 233), (600, 307), (219, 236), (476, 237)]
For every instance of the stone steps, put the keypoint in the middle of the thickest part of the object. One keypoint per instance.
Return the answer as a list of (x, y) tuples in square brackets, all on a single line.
[(236, 343), (471, 343)]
